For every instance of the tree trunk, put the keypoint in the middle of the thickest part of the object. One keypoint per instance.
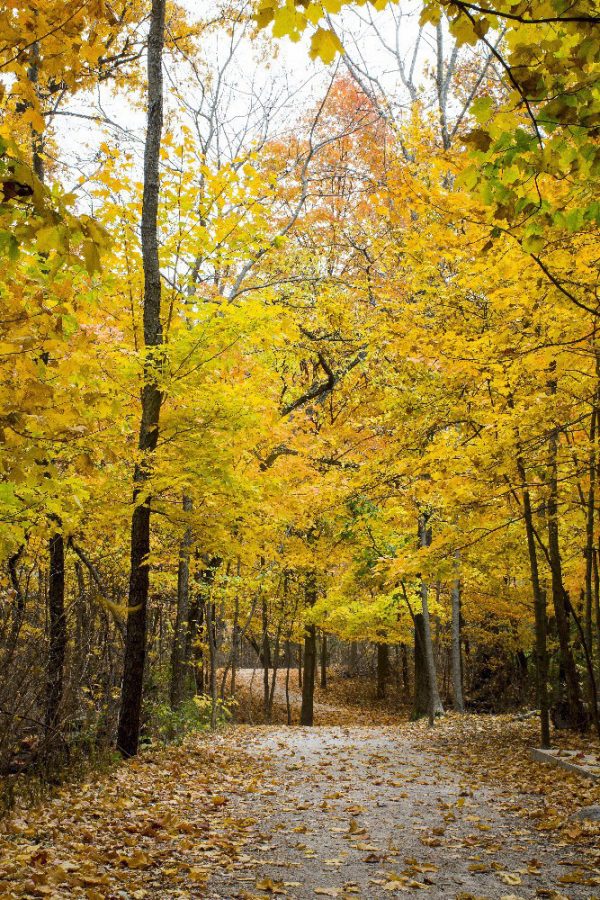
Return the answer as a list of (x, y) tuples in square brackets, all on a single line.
[(288, 663), (235, 640), (573, 693), (435, 704), (324, 660), (194, 655), (383, 665), (589, 568), (310, 658), (266, 660), (178, 657), (540, 613), (421, 691), (597, 607), (57, 632), (404, 665), (211, 631), (457, 681), (135, 641)]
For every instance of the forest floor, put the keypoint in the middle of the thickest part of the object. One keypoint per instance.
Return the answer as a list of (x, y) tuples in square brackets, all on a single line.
[(345, 810)]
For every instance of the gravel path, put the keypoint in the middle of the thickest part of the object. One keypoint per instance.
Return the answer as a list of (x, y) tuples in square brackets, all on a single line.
[(352, 811)]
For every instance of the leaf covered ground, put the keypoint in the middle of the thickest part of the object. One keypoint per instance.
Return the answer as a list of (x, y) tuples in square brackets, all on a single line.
[(342, 810)]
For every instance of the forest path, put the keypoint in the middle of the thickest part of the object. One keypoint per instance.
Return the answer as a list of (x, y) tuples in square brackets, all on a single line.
[(361, 812), (251, 680), (344, 810)]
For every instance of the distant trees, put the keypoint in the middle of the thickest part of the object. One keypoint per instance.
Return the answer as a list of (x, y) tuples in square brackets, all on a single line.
[(330, 333)]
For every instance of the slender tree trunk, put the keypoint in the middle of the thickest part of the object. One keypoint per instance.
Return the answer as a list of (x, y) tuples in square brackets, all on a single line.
[(178, 657), (383, 666), (597, 607), (211, 630), (288, 665), (300, 663), (194, 656), (435, 704), (275, 670), (235, 640), (82, 628), (457, 681), (266, 659), (404, 667), (57, 632), (589, 543), (135, 640), (540, 613), (324, 660), (573, 692), (310, 658)]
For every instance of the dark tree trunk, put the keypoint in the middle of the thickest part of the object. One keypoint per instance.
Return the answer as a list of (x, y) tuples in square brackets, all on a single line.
[(310, 658), (211, 631), (324, 660), (435, 704), (135, 640), (457, 679), (597, 607), (383, 667), (178, 651), (421, 689), (266, 660), (288, 664), (194, 654), (540, 613), (573, 693), (57, 633), (235, 641), (404, 664)]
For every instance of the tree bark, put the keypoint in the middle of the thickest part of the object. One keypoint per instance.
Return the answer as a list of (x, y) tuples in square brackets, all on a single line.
[(211, 631), (178, 651), (266, 660), (288, 663), (151, 400), (435, 704), (383, 666), (194, 655), (324, 660), (310, 658), (235, 641), (573, 693), (457, 679), (57, 633), (540, 613), (421, 689), (404, 666)]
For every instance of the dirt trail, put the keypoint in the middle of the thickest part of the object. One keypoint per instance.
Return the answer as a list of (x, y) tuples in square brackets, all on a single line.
[(251, 679), (347, 812)]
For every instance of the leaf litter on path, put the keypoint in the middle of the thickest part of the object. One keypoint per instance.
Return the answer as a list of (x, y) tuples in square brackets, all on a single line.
[(297, 812)]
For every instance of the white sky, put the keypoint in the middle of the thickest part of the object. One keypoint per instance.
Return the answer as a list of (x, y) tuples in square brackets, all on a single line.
[(290, 81)]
